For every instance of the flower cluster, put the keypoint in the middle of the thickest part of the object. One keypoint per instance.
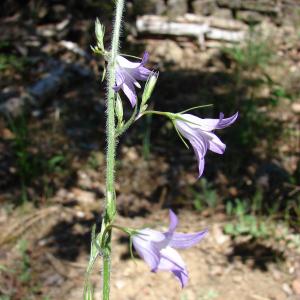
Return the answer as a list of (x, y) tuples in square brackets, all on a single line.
[(158, 249)]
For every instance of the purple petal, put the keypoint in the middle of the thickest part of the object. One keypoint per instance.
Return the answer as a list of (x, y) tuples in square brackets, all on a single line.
[(146, 249), (125, 63), (145, 58), (209, 124), (182, 276), (215, 144), (129, 90), (158, 239), (152, 235), (162, 243), (202, 124), (173, 221), (119, 80), (140, 73), (186, 240), (200, 147), (127, 75), (170, 260), (227, 121)]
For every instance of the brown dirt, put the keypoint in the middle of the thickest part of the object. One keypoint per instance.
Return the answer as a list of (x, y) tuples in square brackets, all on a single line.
[(219, 267)]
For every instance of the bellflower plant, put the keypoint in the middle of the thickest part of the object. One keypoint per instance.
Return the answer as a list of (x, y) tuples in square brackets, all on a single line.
[(158, 249)]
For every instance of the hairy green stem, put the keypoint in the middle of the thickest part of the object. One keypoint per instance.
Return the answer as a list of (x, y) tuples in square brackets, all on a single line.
[(110, 205)]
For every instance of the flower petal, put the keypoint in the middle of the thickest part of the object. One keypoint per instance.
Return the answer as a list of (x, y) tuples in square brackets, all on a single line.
[(186, 240), (215, 144), (129, 90), (209, 124), (170, 260), (172, 227), (140, 73), (120, 78), (152, 235), (227, 121), (145, 58), (173, 221), (146, 249), (127, 75), (202, 124), (200, 148), (125, 63)]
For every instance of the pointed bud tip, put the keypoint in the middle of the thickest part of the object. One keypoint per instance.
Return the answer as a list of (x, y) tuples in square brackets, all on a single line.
[(150, 85)]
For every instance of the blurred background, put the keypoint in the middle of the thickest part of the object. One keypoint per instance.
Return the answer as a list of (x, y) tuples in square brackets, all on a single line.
[(239, 55)]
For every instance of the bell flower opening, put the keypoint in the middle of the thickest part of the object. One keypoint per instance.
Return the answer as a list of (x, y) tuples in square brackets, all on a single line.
[(157, 248), (199, 132), (128, 74)]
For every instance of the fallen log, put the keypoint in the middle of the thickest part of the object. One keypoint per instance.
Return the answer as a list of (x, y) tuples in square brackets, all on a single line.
[(201, 28), (157, 25), (225, 35), (214, 22)]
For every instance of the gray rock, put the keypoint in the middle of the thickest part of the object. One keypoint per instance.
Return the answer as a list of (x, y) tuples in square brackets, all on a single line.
[(235, 4), (204, 7), (168, 52), (13, 106), (61, 75), (223, 13), (144, 7), (177, 8), (250, 17), (264, 6), (48, 86)]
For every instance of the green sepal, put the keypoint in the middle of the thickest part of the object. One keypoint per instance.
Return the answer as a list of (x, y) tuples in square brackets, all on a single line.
[(103, 74), (130, 248), (95, 250), (179, 134), (195, 107), (88, 292), (143, 108)]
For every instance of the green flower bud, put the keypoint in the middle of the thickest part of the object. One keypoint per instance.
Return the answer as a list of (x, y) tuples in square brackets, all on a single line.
[(119, 110), (99, 31), (149, 87)]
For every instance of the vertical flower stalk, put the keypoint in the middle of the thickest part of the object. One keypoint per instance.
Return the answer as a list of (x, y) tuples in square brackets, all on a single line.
[(110, 205)]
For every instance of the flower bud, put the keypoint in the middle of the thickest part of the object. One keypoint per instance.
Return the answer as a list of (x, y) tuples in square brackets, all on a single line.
[(149, 87), (119, 110), (99, 31)]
